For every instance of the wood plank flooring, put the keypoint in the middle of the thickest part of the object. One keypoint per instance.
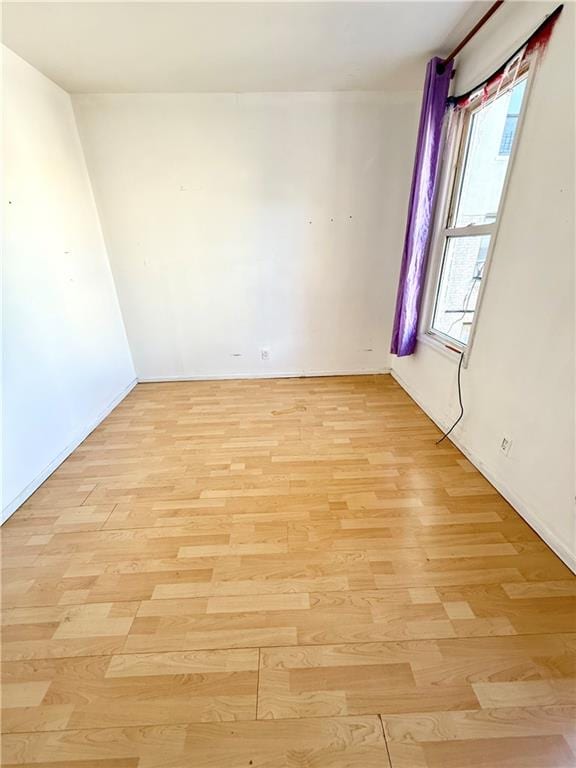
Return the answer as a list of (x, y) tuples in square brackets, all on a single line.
[(281, 573)]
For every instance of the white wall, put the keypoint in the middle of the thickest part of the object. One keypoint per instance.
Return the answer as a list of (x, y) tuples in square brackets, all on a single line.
[(241, 222), (65, 354), (520, 379)]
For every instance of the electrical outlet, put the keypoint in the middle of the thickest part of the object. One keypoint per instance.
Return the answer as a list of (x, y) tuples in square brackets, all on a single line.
[(265, 353), (505, 445)]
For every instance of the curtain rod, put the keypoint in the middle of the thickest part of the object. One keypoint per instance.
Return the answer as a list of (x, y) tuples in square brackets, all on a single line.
[(465, 40), (540, 37)]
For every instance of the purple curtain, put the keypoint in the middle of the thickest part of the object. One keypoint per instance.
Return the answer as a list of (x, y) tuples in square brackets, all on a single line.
[(420, 209)]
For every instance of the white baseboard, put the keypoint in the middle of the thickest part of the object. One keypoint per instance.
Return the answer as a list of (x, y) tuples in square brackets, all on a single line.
[(519, 504), (260, 375), (13, 505)]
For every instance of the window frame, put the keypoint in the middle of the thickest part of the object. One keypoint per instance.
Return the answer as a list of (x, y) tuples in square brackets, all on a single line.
[(457, 132)]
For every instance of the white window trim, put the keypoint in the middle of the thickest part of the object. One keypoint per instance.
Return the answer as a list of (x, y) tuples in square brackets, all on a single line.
[(450, 172)]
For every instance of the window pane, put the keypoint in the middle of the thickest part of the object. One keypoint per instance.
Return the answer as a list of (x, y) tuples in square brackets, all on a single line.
[(490, 139), (508, 134), (462, 269)]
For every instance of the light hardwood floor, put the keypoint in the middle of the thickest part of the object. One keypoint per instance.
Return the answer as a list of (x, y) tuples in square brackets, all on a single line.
[(281, 573)]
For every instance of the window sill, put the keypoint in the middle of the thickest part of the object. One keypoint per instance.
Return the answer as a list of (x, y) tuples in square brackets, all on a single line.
[(440, 346)]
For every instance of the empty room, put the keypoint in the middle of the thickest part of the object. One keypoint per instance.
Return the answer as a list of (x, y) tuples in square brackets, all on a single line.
[(288, 385)]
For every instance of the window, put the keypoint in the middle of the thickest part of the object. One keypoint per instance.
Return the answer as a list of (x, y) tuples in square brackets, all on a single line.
[(486, 135)]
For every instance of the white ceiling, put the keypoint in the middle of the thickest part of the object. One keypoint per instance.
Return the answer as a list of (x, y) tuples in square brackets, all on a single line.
[(264, 46)]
